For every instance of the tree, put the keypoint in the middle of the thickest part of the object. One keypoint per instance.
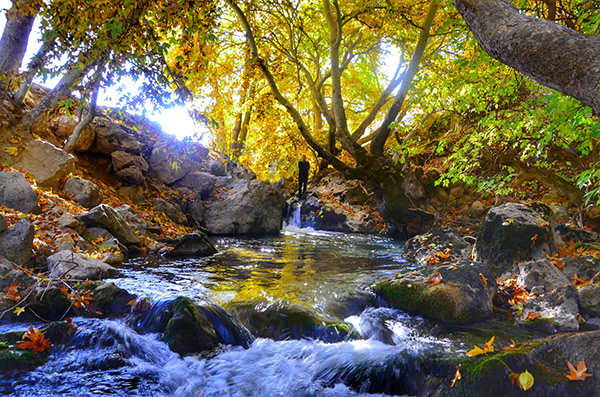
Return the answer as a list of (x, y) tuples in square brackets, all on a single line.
[(13, 44)]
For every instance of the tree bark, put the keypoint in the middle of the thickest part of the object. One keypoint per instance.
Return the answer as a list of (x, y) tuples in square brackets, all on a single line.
[(13, 44), (70, 146), (554, 55)]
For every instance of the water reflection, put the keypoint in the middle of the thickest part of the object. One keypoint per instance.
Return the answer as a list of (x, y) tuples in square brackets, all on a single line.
[(315, 269)]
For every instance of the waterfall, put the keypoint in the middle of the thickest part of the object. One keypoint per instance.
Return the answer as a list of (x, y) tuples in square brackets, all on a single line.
[(293, 219)]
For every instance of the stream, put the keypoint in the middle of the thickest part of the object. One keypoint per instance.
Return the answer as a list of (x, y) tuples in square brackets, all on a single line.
[(280, 292)]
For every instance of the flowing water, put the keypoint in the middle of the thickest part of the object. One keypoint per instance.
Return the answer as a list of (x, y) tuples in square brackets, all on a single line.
[(281, 293)]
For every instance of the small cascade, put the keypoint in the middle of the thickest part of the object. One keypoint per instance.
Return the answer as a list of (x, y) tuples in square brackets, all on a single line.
[(293, 219)]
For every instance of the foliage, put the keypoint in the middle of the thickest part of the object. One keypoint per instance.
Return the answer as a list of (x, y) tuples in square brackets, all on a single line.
[(37, 340)]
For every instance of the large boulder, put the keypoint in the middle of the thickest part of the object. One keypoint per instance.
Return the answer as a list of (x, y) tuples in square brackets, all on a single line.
[(47, 163), (201, 183), (192, 245), (17, 193), (85, 192), (63, 127), (513, 233), (455, 294), (138, 223), (78, 266), (540, 276), (172, 211), (554, 311), (16, 243), (111, 137), (3, 223), (589, 299), (105, 216), (250, 207), (168, 164), (440, 245), (585, 267), (130, 167)]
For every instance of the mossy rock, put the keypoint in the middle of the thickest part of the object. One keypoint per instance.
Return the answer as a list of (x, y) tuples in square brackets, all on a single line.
[(189, 330), (463, 296), (51, 304)]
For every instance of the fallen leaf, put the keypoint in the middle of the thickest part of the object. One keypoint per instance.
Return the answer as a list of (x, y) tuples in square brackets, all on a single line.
[(525, 380), (512, 346), (475, 351), (37, 341), (435, 280), (534, 239), (482, 277), (13, 151), (18, 310), (457, 376), (533, 316), (579, 373), (12, 292), (489, 346)]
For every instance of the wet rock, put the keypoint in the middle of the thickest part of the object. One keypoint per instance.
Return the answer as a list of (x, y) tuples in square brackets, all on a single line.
[(171, 210), (105, 216), (16, 243), (3, 223), (47, 163), (189, 330), (586, 267), (558, 310), (13, 359), (17, 193), (84, 192), (545, 359), (168, 164), (440, 245), (251, 207), (51, 304), (514, 233), (192, 245), (589, 299), (78, 266), (110, 299), (202, 183), (541, 274), (463, 296), (111, 137)]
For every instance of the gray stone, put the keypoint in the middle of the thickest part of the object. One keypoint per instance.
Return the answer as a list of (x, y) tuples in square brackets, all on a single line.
[(138, 223), (105, 216), (197, 151), (560, 213), (3, 223), (47, 163), (589, 299), (68, 221), (558, 310), (433, 247), (586, 267), (17, 193), (216, 168), (111, 137), (84, 192), (541, 274), (192, 245), (202, 183), (122, 159), (135, 193), (251, 207), (168, 164), (16, 242), (566, 234), (132, 175), (78, 266), (514, 233), (196, 211), (171, 210)]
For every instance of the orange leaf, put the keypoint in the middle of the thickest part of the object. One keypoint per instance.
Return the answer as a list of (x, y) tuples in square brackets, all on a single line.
[(435, 280), (12, 292), (37, 341), (512, 346), (483, 279), (533, 316), (579, 373), (534, 239), (475, 351), (457, 376)]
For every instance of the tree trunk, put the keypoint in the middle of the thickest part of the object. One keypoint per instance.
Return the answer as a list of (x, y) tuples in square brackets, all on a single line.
[(13, 44), (554, 55), (35, 66), (70, 146), (61, 91), (378, 143)]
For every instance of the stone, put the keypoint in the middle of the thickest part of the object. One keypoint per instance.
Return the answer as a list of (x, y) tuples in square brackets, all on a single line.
[(110, 299), (167, 164), (189, 330), (252, 207), (565, 234), (47, 163), (215, 167), (558, 310), (440, 245), (541, 274), (138, 223), (202, 183), (135, 193), (477, 209), (514, 233), (197, 151), (171, 210), (456, 192), (84, 192), (105, 216), (67, 221), (560, 213), (64, 126), (129, 167), (132, 175), (3, 223), (78, 266), (111, 137), (16, 243), (196, 210), (16, 193), (462, 296), (586, 267), (589, 299), (192, 245)]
